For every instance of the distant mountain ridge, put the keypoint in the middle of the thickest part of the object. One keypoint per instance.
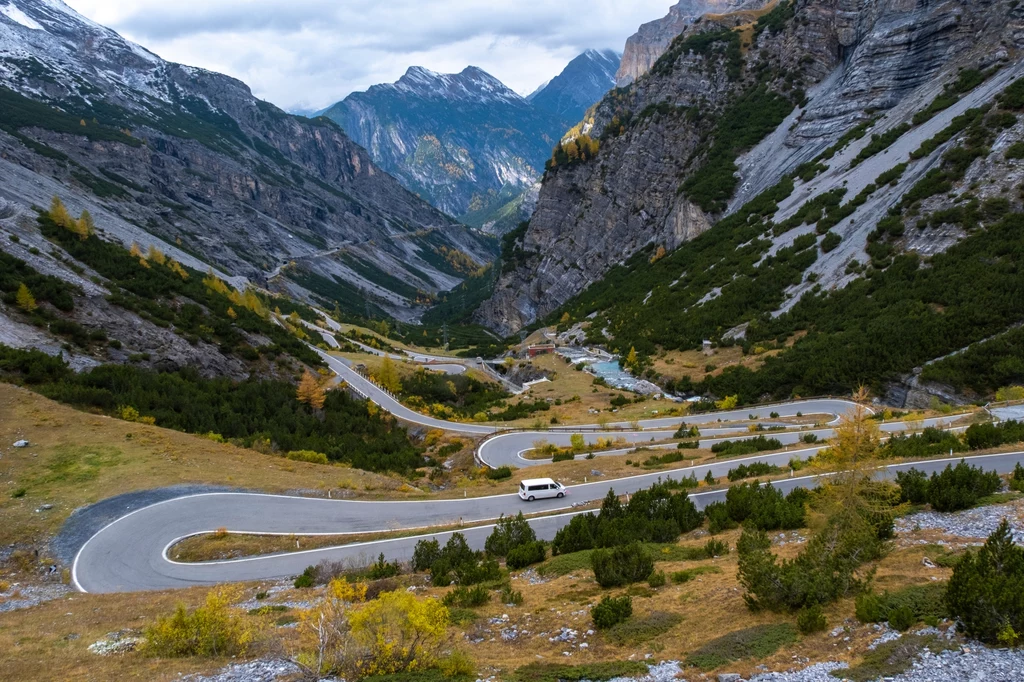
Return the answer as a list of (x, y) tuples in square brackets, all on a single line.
[(465, 142), (582, 83), (189, 160)]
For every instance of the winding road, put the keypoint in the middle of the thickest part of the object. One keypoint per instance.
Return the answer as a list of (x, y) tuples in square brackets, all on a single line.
[(131, 553)]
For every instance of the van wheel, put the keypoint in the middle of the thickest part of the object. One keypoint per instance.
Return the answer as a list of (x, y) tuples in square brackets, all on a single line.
[(561, 495), (531, 498)]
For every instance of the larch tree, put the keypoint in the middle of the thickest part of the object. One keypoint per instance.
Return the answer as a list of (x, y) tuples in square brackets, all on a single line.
[(387, 375), (85, 226), (59, 214), (311, 391), (26, 301)]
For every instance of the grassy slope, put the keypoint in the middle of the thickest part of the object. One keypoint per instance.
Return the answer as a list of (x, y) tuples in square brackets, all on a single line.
[(78, 458)]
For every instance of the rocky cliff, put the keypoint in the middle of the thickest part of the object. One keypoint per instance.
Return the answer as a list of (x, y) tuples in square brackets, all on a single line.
[(645, 46), (191, 160), (464, 142), (708, 129)]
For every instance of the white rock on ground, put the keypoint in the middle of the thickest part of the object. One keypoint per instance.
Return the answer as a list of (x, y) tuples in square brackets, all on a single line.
[(971, 523)]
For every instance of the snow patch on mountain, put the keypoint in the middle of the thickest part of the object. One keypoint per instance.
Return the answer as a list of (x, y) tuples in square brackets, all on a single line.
[(16, 15)]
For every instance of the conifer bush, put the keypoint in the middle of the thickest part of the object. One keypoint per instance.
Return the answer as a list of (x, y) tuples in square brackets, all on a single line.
[(622, 565), (986, 592), (611, 611)]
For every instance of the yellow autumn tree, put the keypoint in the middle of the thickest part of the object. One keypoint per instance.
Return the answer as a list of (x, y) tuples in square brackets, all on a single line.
[(86, 226), (311, 391), (135, 250), (215, 284), (24, 298), (631, 358), (728, 403), (156, 255), (387, 375), (175, 267), (59, 213)]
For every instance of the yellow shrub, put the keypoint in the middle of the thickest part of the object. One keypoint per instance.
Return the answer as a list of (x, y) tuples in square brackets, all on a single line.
[(308, 456), (213, 629), (399, 633)]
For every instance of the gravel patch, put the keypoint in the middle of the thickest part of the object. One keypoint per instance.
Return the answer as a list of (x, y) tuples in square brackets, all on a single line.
[(666, 671), (254, 671), (970, 523), (819, 672), (969, 664), (23, 597)]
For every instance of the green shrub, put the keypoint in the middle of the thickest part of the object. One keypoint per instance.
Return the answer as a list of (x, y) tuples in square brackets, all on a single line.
[(425, 554), (686, 575), (986, 592), (917, 602), (715, 548), (718, 518), (307, 579), (748, 446), (611, 611), (913, 486), (751, 470), (658, 514), (467, 597), (382, 569), (456, 562), (656, 579), (756, 642), (636, 631), (526, 555), (811, 619), (902, 618), (509, 533), (499, 474), (621, 565), (1017, 480), (591, 672), (961, 487), (765, 507), (511, 597)]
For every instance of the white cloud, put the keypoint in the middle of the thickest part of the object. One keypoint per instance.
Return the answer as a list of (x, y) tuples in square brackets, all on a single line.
[(307, 54)]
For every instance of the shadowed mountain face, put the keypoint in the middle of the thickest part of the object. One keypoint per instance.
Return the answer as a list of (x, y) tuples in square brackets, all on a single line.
[(464, 142), (582, 83), (162, 152), (738, 102)]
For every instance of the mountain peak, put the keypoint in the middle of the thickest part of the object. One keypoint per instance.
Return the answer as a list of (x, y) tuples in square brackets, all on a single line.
[(583, 81), (472, 84)]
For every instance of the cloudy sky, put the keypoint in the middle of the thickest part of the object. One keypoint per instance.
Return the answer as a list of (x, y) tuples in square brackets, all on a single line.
[(307, 54)]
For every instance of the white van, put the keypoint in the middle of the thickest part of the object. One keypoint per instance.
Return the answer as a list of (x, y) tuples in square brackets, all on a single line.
[(540, 488)]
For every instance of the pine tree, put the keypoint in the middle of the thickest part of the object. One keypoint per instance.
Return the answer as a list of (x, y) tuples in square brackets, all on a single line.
[(311, 391), (709, 479), (26, 301)]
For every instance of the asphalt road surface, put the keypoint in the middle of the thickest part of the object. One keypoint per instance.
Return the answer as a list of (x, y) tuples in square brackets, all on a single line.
[(130, 553)]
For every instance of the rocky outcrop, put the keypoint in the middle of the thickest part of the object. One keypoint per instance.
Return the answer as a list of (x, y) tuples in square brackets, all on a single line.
[(854, 59), (192, 159), (645, 46), (464, 142)]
